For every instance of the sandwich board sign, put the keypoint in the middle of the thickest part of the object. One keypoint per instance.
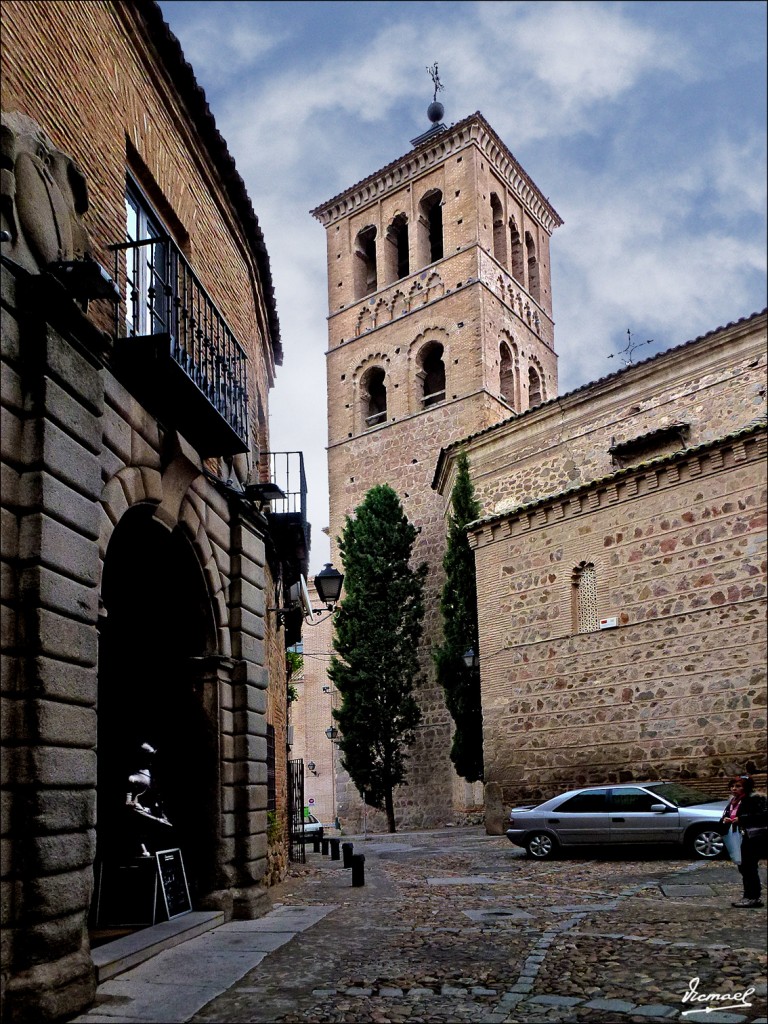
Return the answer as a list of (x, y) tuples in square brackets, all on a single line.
[(173, 883)]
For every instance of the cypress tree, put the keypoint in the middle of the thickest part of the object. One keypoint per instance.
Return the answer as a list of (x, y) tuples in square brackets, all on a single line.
[(377, 632), (458, 605)]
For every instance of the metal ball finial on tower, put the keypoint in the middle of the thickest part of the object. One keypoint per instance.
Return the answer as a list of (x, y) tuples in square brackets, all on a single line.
[(435, 110)]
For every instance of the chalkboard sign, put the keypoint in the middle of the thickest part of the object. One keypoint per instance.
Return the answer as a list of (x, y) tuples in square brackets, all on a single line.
[(173, 883)]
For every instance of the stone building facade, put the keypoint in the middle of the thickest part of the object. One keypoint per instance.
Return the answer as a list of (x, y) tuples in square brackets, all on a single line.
[(621, 585), (311, 714), (140, 556), (440, 325)]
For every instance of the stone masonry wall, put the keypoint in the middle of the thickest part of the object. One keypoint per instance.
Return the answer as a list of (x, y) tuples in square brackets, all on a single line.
[(78, 452), (715, 385), (677, 690)]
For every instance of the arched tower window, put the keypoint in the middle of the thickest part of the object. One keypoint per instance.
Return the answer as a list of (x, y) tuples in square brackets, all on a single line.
[(533, 266), (396, 252), (499, 234), (516, 263), (431, 227), (584, 599), (374, 397), (507, 375), (535, 395), (432, 374), (365, 262)]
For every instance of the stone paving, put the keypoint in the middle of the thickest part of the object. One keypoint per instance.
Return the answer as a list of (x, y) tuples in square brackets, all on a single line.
[(454, 925)]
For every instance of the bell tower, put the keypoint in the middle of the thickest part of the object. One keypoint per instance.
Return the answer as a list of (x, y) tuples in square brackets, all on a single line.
[(440, 325)]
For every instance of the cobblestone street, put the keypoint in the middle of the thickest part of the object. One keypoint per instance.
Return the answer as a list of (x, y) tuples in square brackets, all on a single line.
[(454, 925)]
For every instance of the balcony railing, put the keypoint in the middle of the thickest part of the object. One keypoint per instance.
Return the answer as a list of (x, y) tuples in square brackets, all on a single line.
[(286, 469), (165, 307), (289, 527)]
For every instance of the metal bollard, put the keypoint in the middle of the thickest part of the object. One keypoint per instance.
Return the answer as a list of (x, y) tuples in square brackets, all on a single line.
[(358, 869), (324, 843), (316, 843), (334, 844), (346, 852)]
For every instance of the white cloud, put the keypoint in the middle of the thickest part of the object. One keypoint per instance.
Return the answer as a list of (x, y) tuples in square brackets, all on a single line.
[(219, 48), (661, 186)]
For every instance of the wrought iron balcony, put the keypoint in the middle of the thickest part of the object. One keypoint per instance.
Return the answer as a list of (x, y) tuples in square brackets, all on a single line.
[(288, 515), (175, 351)]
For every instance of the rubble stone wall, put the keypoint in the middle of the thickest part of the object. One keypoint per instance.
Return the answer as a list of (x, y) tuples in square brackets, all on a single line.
[(678, 688)]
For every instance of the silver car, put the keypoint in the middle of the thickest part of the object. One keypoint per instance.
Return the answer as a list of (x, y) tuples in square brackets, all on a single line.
[(625, 815)]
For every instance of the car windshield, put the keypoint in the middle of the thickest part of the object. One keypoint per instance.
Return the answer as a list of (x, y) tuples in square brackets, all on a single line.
[(679, 795)]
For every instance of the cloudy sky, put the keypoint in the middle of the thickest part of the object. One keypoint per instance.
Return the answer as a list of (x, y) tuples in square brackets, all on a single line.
[(643, 122)]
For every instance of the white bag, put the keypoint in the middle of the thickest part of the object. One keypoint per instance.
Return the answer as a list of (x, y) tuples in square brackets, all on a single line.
[(732, 841)]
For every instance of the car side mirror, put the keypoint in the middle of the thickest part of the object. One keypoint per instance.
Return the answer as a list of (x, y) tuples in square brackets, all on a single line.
[(660, 808)]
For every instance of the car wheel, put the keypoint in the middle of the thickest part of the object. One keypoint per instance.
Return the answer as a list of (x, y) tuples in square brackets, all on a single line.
[(541, 845), (706, 843)]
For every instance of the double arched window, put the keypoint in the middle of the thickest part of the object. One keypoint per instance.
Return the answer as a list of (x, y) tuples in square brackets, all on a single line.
[(430, 241), (365, 280), (535, 387), (396, 257), (499, 233), (533, 266), (374, 397), (507, 388), (431, 374), (516, 264)]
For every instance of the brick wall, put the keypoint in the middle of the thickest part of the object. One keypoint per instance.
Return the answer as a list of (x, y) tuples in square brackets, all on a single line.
[(125, 115), (468, 302), (677, 540)]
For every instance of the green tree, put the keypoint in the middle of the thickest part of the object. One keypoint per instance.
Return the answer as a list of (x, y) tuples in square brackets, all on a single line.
[(458, 605), (377, 632)]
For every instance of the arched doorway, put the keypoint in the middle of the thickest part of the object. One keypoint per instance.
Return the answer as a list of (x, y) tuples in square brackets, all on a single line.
[(155, 632)]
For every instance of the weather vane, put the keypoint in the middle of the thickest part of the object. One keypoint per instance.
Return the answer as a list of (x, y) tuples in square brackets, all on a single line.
[(435, 80), (630, 348)]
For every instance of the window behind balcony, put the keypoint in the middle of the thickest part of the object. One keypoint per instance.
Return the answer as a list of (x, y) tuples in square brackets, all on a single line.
[(146, 267)]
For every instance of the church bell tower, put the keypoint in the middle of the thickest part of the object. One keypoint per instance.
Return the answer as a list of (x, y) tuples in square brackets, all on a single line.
[(440, 325)]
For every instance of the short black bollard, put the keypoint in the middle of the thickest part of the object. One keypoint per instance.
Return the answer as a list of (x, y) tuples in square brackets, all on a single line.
[(334, 844), (325, 846), (316, 843), (358, 869), (346, 853)]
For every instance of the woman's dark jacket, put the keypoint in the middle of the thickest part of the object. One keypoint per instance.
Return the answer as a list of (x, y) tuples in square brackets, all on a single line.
[(753, 812)]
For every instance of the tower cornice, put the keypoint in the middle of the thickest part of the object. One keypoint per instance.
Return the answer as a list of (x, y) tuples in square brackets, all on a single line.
[(472, 130)]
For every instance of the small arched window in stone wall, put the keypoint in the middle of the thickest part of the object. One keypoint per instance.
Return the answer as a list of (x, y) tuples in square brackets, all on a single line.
[(516, 262), (431, 227), (584, 604), (535, 392), (374, 397), (365, 280), (507, 388), (396, 260), (533, 267), (431, 373), (499, 234)]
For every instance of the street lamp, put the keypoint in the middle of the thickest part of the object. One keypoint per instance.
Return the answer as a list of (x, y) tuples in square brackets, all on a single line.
[(471, 660), (332, 732), (328, 584)]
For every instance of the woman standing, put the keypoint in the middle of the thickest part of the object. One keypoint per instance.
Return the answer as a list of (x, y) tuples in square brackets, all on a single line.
[(748, 811)]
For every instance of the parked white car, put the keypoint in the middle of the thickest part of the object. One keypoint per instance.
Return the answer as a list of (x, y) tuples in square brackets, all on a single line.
[(624, 815)]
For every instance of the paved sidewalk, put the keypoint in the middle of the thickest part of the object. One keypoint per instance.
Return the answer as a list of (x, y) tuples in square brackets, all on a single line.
[(456, 926)]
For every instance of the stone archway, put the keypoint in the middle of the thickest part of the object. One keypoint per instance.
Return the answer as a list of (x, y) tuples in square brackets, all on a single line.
[(157, 630)]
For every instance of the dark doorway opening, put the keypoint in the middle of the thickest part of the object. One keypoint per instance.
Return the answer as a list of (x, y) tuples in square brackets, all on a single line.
[(158, 622)]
